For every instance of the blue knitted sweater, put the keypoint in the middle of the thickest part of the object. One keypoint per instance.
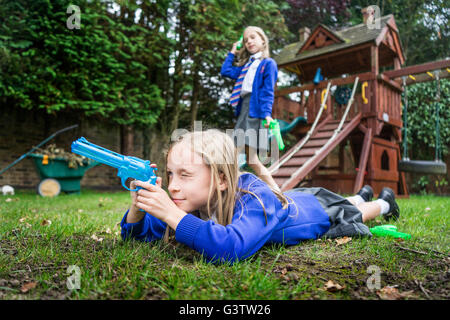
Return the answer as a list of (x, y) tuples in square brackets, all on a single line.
[(249, 231)]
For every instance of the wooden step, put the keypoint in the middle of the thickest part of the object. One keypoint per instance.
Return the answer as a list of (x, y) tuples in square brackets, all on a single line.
[(332, 125), (307, 151), (295, 161), (280, 180), (285, 172), (316, 142), (322, 134), (329, 127)]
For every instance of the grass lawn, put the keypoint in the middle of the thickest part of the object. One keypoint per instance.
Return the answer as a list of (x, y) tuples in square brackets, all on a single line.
[(41, 237)]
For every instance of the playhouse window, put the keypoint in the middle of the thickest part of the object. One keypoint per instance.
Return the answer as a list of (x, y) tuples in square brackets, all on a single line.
[(385, 161)]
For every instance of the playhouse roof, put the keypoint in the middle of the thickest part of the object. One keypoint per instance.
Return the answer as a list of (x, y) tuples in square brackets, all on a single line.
[(323, 41)]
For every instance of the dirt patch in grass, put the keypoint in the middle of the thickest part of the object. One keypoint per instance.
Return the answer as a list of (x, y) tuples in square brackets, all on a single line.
[(349, 273), (49, 279), (312, 270)]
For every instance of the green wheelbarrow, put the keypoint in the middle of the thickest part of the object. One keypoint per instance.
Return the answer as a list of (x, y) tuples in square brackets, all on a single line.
[(56, 176)]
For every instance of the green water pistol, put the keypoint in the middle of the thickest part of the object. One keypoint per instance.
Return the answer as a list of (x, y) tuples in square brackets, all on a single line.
[(388, 230), (241, 40), (274, 127)]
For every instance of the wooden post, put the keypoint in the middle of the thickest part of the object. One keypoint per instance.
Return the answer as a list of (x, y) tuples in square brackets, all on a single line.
[(367, 143), (374, 59), (342, 156)]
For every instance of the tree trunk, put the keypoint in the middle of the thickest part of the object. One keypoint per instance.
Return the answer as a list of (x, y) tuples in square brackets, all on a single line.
[(126, 140), (195, 92)]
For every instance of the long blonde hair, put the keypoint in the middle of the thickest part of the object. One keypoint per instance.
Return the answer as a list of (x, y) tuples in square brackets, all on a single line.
[(243, 54), (220, 155)]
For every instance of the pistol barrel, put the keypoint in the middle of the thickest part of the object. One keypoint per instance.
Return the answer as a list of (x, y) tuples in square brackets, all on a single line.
[(100, 154)]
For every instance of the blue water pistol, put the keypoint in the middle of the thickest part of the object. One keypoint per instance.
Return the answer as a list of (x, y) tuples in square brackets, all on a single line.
[(129, 167)]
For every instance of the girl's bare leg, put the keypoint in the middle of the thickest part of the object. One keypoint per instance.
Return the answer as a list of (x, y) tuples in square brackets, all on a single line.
[(260, 170), (370, 210)]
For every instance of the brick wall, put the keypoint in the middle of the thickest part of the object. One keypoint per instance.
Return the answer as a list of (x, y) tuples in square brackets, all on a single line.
[(22, 129)]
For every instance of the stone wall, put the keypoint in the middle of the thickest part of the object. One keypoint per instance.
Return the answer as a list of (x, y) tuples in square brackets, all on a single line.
[(22, 129)]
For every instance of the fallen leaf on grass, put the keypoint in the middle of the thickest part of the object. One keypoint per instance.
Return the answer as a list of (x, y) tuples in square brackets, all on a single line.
[(331, 286), (28, 286), (427, 209), (46, 222), (94, 237), (392, 293), (22, 219), (343, 240)]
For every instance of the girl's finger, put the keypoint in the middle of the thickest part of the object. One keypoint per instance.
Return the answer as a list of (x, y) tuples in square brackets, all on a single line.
[(144, 185), (144, 193), (141, 199), (143, 206), (159, 181)]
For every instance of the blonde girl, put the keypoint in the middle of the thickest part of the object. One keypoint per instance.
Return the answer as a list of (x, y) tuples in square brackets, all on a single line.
[(252, 96), (228, 215)]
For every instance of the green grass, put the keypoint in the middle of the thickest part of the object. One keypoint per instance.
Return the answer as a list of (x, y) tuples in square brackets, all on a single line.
[(115, 269)]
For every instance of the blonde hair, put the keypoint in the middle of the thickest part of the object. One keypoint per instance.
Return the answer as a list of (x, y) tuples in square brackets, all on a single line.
[(243, 54), (220, 155)]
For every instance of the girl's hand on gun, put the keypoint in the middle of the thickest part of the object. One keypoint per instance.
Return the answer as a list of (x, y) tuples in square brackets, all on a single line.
[(233, 49), (268, 121), (155, 201), (134, 194)]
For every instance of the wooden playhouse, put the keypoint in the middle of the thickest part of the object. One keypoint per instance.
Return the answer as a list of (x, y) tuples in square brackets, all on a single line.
[(372, 125)]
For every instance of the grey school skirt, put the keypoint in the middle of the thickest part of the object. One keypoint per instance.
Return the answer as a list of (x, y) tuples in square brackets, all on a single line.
[(252, 133), (345, 218)]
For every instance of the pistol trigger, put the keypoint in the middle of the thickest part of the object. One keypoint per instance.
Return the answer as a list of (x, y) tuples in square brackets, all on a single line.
[(124, 179)]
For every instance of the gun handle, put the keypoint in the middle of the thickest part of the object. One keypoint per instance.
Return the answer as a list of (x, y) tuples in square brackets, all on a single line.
[(124, 178), (239, 46)]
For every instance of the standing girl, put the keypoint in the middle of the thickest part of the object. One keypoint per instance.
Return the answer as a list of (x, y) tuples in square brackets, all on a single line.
[(252, 96), (228, 215)]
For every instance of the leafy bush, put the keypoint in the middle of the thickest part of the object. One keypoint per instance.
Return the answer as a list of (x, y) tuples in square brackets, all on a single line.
[(101, 69), (422, 119)]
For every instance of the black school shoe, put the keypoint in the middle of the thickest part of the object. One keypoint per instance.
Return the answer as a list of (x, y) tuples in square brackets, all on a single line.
[(366, 193), (388, 195)]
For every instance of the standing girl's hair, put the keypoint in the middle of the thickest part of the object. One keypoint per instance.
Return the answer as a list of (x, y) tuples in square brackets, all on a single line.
[(244, 55), (220, 155)]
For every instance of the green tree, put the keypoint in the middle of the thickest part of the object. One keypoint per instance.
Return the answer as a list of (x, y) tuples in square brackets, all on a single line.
[(97, 69), (422, 119), (424, 26)]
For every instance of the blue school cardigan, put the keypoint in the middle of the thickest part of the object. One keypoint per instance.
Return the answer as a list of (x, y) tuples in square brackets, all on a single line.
[(248, 231), (263, 87)]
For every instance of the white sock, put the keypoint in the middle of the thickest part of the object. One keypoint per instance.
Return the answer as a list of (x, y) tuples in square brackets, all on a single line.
[(357, 199), (384, 206)]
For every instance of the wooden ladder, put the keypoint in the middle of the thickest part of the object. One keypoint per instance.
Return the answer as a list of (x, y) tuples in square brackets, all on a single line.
[(301, 162)]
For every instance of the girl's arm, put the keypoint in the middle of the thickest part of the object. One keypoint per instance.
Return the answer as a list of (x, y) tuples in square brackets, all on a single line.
[(228, 70), (247, 233), (147, 229), (267, 94), (139, 224)]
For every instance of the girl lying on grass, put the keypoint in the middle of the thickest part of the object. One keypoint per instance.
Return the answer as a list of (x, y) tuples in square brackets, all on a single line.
[(228, 215)]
